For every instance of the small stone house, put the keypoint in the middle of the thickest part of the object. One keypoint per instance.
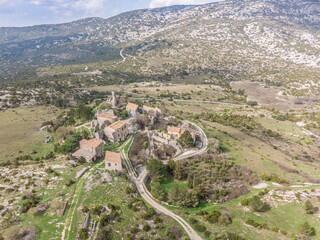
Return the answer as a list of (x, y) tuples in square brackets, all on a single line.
[(90, 150), (175, 131), (116, 132), (132, 109), (113, 161), (102, 117), (151, 110)]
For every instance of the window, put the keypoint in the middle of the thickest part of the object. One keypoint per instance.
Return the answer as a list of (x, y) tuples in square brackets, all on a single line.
[(109, 164)]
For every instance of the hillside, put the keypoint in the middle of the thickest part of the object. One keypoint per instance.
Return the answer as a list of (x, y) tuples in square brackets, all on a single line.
[(233, 40)]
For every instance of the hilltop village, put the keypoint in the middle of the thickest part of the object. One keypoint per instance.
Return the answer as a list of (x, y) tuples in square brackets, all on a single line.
[(108, 128)]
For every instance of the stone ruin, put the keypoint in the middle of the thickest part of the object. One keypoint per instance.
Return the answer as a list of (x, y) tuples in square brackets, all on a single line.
[(113, 100)]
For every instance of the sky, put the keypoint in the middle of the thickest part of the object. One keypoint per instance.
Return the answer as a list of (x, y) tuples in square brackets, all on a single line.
[(18, 13)]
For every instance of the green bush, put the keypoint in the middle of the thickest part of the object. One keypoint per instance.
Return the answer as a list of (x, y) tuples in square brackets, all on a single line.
[(200, 227), (146, 228), (213, 216), (308, 207), (252, 103), (224, 220), (306, 229), (83, 234)]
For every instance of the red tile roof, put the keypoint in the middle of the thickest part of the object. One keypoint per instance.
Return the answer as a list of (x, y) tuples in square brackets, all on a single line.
[(112, 157), (107, 115), (132, 106), (147, 108), (174, 129), (91, 142), (117, 125)]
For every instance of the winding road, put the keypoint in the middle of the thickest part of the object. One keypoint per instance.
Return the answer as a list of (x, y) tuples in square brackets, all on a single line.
[(142, 178), (121, 54)]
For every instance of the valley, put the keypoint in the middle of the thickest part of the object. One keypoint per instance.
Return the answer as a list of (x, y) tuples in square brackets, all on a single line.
[(175, 123)]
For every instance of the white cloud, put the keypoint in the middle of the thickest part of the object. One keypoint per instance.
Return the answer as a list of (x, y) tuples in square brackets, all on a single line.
[(88, 6), (8, 3), (163, 3)]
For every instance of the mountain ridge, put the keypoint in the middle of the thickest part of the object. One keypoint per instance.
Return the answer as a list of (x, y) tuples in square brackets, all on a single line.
[(239, 38)]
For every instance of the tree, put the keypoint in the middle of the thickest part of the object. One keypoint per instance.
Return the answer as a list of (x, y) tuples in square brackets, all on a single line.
[(186, 140), (70, 144), (309, 207), (64, 132), (83, 112), (85, 134), (171, 166), (306, 229), (173, 195), (190, 182), (257, 205), (71, 121), (124, 114), (104, 233), (178, 171), (181, 197), (194, 182), (158, 192), (156, 170), (104, 220), (191, 199), (83, 234)]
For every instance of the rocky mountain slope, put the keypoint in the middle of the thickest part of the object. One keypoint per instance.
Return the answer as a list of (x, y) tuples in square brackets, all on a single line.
[(274, 40)]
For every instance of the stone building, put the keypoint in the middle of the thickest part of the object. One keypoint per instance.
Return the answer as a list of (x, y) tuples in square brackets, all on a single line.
[(113, 100), (176, 132), (151, 110), (113, 161), (132, 109), (102, 117), (117, 131), (90, 150)]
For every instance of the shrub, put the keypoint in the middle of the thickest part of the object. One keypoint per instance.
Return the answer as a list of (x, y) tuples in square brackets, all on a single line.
[(252, 103), (97, 210), (199, 227), (70, 182), (257, 205), (308, 207), (158, 192), (85, 209), (146, 228), (245, 202), (175, 232), (213, 216), (274, 229), (83, 234), (224, 220), (104, 233), (306, 229), (283, 232), (193, 220), (281, 117), (201, 213)]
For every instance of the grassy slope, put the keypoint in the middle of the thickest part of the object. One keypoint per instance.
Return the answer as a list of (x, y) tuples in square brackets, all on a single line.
[(20, 131)]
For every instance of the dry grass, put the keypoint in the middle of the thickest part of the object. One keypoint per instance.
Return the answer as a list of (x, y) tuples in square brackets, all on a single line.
[(20, 131)]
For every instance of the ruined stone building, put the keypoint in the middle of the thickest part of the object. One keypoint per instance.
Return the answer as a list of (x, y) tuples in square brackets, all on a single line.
[(90, 150), (117, 131)]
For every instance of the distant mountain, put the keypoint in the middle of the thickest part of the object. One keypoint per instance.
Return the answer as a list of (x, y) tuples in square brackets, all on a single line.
[(277, 40)]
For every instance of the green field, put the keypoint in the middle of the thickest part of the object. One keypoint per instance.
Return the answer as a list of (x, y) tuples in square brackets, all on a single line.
[(20, 131)]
